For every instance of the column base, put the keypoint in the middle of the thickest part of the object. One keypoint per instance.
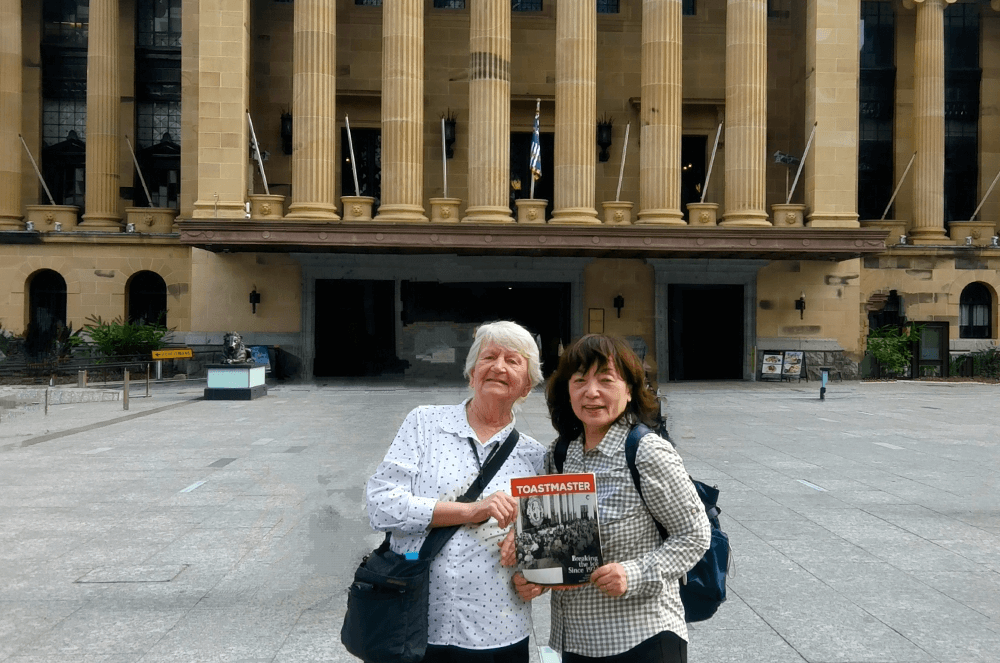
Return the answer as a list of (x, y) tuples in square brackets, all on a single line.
[(11, 222), (660, 217), (487, 214), (401, 214), (928, 237), (745, 220), (574, 216), (312, 212), (100, 222), (833, 221), (219, 210)]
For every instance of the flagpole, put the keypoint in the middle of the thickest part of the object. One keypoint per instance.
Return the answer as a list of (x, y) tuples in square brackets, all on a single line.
[(37, 172), (983, 201), (621, 170), (899, 184), (535, 140), (711, 162), (256, 150), (350, 145), (802, 163), (142, 179), (444, 158)]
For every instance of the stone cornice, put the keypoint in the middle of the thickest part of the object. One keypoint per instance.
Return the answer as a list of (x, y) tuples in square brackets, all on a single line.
[(645, 241)]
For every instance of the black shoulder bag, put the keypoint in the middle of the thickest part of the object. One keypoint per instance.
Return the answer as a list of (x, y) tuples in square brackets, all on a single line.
[(386, 620)]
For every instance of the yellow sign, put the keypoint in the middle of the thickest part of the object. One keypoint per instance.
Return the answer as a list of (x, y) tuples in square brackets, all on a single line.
[(175, 353)]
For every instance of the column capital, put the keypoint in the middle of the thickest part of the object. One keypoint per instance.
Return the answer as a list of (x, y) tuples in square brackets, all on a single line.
[(995, 4), (910, 4)]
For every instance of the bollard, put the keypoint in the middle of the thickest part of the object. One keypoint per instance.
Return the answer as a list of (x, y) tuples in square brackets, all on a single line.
[(125, 391), (46, 401), (824, 378), (159, 369), (81, 378), (147, 380)]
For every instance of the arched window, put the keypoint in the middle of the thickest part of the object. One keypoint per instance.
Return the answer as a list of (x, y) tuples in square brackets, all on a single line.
[(46, 311), (975, 312), (147, 298)]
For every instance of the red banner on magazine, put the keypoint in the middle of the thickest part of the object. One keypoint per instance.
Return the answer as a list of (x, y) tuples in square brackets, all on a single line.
[(553, 484)]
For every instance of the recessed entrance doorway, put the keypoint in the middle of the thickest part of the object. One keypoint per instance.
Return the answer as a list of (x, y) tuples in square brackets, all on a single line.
[(706, 331), (355, 333)]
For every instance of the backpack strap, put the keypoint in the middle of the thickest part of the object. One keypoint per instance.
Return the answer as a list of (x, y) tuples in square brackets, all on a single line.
[(559, 453), (638, 432)]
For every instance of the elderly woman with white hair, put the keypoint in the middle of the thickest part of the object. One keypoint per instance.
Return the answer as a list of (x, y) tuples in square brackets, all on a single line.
[(475, 614)]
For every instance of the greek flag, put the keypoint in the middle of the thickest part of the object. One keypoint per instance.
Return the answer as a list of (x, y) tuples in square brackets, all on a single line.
[(536, 148)]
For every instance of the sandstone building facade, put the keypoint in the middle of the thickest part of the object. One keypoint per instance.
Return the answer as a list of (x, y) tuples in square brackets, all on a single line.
[(384, 261)]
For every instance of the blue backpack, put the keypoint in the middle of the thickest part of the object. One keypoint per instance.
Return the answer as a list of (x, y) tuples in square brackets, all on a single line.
[(703, 590)]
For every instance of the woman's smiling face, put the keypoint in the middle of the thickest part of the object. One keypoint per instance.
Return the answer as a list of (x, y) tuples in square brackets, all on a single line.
[(598, 396), (500, 373)]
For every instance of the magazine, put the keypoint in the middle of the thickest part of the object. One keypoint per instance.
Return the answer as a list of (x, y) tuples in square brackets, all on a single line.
[(558, 538)]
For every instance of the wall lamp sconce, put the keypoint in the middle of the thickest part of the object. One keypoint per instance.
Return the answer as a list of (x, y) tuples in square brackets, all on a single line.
[(902, 239), (995, 241), (619, 303), (800, 305), (29, 226), (968, 240), (604, 126), (254, 299), (787, 159), (286, 133), (450, 120)]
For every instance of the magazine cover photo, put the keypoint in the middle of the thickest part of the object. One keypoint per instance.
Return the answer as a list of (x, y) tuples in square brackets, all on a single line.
[(558, 539)]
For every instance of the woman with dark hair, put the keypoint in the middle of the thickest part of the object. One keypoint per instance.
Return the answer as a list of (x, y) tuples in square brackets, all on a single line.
[(631, 610)]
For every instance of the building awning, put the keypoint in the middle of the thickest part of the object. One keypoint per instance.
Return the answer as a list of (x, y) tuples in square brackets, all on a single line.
[(645, 241)]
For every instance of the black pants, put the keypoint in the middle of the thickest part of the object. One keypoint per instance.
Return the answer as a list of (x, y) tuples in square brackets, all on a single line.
[(515, 653), (665, 647)]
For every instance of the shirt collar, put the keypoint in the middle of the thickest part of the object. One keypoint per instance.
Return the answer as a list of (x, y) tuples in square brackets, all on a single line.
[(614, 440), (459, 425)]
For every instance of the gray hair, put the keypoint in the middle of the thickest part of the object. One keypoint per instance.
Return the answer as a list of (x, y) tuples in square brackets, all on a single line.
[(508, 335)]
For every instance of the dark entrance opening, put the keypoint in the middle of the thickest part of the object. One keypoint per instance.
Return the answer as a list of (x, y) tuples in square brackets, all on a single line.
[(692, 169), (46, 312), (355, 332), (705, 328), (541, 308), (147, 299)]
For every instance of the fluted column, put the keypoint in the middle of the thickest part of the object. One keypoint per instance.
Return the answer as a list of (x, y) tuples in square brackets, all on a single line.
[(746, 113), (10, 114), (489, 112), (576, 113), (660, 156), (314, 111), (223, 99), (928, 123), (402, 111), (103, 111), (831, 168)]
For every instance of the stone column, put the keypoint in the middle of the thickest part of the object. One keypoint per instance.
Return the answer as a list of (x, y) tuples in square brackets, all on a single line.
[(103, 111), (576, 113), (10, 118), (928, 123), (489, 112), (660, 156), (402, 112), (314, 111), (223, 99), (830, 174), (746, 113)]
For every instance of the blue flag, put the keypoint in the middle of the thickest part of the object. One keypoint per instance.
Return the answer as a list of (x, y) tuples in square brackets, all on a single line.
[(536, 148)]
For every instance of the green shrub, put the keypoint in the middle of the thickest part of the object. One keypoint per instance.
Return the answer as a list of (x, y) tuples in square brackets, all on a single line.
[(985, 363), (120, 339), (891, 346)]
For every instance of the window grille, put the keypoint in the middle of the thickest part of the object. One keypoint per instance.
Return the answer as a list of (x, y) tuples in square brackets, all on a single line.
[(607, 6), (962, 79), (877, 95), (449, 4), (158, 23), (690, 8), (368, 3), (526, 5), (66, 22), (974, 312)]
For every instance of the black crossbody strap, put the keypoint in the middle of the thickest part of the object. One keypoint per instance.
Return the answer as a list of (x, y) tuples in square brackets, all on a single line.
[(440, 535)]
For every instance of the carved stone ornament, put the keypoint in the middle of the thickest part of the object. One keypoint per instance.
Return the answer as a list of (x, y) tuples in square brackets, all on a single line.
[(445, 212), (791, 218), (704, 217), (532, 214), (265, 209), (977, 233), (356, 210), (619, 216), (49, 216), (147, 219)]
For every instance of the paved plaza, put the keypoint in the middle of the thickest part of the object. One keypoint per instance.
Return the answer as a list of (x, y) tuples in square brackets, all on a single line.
[(865, 527)]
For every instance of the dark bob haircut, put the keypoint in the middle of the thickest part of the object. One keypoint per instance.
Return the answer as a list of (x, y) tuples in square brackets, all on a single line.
[(598, 350)]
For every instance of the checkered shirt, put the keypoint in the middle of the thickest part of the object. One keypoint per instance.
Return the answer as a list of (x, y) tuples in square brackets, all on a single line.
[(587, 622)]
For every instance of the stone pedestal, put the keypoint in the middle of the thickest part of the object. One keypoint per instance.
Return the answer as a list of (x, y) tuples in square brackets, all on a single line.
[(235, 382), (151, 219), (791, 215), (266, 206), (703, 214), (980, 231), (45, 217), (896, 228), (531, 210), (617, 213), (357, 208), (445, 210)]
